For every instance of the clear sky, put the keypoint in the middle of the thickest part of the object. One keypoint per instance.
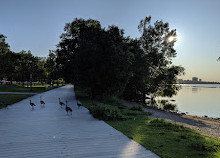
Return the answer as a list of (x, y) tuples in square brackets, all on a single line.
[(37, 24)]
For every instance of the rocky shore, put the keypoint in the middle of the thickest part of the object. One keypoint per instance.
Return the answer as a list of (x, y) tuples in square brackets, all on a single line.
[(205, 125)]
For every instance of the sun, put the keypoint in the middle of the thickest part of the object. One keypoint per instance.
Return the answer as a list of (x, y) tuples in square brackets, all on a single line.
[(171, 38)]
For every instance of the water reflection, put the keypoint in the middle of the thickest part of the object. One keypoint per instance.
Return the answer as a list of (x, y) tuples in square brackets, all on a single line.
[(194, 89), (199, 100)]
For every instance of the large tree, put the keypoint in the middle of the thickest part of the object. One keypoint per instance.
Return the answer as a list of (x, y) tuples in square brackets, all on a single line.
[(51, 66), (95, 58), (153, 72), (6, 59), (25, 64)]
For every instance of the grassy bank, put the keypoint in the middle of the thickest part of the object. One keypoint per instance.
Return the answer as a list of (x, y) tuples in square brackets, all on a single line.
[(8, 99), (166, 139)]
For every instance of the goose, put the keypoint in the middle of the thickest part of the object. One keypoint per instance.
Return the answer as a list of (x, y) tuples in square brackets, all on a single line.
[(61, 103), (68, 109), (79, 104), (41, 101), (32, 104)]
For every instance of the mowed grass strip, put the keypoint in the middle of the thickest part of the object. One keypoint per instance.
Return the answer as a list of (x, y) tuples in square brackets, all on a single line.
[(8, 99), (166, 139), (19, 88)]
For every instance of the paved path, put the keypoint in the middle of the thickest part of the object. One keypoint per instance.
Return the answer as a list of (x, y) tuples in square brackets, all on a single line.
[(47, 132)]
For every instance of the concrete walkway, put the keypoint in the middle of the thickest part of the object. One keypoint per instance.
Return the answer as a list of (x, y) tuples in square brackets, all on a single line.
[(48, 132)]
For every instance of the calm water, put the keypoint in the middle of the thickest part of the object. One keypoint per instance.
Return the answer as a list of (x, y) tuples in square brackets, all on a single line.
[(199, 99)]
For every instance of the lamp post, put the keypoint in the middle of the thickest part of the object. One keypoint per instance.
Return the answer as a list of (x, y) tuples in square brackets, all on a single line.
[(30, 75)]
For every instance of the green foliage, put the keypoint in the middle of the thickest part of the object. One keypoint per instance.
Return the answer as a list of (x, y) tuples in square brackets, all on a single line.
[(109, 108), (51, 66), (152, 69), (106, 112), (136, 107), (166, 105), (130, 112), (93, 57), (169, 106), (6, 59), (8, 99), (164, 138), (18, 66), (205, 145), (19, 88), (114, 101), (168, 140)]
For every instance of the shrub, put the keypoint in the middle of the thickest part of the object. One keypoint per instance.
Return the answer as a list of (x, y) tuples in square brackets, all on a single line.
[(169, 106), (106, 112), (114, 101), (136, 108)]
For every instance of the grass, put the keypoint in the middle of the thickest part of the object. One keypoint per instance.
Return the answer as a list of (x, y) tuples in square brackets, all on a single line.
[(8, 99), (166, 139), (19, 88)]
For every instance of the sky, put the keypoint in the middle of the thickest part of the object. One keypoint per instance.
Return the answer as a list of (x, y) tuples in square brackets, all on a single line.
[(37, 24)]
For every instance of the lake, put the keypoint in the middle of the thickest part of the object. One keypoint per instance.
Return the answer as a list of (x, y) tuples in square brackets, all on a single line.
[(199, 99)]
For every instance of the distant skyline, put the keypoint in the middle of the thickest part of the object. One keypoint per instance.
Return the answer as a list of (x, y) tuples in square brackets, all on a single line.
[(37, 25)]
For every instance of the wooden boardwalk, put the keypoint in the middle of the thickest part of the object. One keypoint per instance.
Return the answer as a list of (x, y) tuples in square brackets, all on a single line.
[(47, 132)]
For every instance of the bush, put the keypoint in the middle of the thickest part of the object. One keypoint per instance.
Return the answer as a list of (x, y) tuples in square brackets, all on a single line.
[(136, 108), (114, 101), (169, 106), (106, 112)]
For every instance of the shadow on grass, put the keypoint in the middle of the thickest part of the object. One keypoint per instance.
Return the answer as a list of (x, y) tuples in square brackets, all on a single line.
[(168, 140)]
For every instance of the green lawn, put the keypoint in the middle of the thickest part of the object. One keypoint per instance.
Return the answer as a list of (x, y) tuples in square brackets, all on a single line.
[(19, 88), (8, 99), (166, 139)]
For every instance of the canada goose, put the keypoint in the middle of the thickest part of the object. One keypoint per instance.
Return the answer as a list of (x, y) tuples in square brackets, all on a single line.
[(41, 101), (79, 104), (68, 109), (61, 103), (32, 104)]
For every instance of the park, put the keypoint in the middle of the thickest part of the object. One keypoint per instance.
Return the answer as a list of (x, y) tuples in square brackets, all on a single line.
[(96, 94)]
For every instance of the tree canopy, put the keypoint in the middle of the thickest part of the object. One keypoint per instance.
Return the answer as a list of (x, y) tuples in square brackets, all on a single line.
[(102, 60), (17, 66), (93, 57), (106, 63), (153, 72)]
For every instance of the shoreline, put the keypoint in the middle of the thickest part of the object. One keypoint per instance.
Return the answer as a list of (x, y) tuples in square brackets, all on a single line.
[(204, 125)]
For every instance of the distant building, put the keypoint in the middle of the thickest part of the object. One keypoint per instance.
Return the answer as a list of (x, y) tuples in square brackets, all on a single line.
[(195, 79)]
